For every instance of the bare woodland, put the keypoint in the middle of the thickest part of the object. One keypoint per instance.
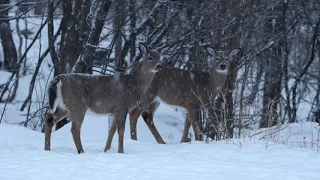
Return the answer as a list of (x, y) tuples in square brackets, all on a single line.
[(276, 73)]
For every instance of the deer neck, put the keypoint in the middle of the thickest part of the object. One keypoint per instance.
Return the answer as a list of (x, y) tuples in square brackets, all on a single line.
[(217, 80), (143, 77)]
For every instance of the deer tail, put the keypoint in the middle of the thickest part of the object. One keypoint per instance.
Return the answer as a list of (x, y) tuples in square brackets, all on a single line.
[(53, 94)]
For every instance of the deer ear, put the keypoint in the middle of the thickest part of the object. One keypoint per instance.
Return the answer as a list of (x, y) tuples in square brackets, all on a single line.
[(210, 51), (235, 52), (143, 48)]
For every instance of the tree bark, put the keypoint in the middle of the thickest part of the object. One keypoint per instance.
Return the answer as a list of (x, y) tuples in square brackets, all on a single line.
[(40, 7), (233, 42), (9, 48), (273, 74), (118, 23)]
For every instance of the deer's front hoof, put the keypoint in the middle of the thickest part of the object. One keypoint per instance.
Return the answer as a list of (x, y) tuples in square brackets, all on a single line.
[(80, 151), (47, 148), (106, 149), (108, 146)]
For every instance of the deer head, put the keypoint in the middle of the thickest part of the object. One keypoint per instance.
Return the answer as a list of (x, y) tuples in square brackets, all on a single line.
[(221, 60), (150, 59), (220, 67)]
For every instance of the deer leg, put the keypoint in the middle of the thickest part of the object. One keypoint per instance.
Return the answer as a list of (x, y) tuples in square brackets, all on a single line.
[(51, 119), (134, 115), (148, 119), (112, 131), (193, 116), (48, 131), (187, 125), (120, 118), (77, 120)]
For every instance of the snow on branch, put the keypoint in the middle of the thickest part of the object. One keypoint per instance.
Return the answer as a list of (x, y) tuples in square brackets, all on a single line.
[(94, 9)]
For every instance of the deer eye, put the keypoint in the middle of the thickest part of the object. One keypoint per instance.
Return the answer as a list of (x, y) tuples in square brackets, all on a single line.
[(150, 58), (217, 58)]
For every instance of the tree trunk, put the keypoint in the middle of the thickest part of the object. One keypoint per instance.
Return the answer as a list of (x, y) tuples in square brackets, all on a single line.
[(233, 42), (273, 75), (133, 19), (9, 48), (118, 23), (40, 7)]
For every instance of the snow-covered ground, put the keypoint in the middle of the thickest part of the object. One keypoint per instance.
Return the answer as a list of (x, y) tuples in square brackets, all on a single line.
[(22, 155)]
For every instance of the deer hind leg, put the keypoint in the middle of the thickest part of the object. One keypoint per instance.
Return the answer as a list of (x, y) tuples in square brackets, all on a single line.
[(133, 116), (148, 119), (51, 119), (120, 118), (187, 126), (48, 131), (77, 120), (112, 131), (194, 118)]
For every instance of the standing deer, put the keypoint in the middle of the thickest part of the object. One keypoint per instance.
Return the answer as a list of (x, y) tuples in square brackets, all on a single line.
[(72, 95), (189, 90)]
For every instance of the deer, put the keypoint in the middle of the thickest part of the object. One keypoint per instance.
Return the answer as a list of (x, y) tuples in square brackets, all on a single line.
[(74, 95), (191, 90)]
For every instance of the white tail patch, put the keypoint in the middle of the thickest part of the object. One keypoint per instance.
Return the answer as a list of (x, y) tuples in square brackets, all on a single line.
[(58, 102)]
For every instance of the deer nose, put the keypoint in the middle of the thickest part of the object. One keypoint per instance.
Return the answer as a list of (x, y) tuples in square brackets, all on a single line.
[(159, 66), (223, 66)]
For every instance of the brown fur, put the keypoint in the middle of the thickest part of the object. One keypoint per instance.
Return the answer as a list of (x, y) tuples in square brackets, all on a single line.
[(103, 95), (190, 90)]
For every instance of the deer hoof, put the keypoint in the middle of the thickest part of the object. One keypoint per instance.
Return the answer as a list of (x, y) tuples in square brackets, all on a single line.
[(80, 151), (105, 150)]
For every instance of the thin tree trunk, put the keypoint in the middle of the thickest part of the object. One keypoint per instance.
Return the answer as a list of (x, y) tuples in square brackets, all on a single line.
[(132, 26), (234, 42), (273, 75), (118, 23), (8, 45), (40, 7)]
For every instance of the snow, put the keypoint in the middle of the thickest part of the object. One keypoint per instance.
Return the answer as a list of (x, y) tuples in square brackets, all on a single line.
[(22, 155), (4, 77)]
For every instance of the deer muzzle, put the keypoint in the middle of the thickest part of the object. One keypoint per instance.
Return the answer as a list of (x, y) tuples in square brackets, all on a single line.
[(223, 66)]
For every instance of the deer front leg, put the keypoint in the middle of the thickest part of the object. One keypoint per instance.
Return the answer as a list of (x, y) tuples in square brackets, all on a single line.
[(120, 118), (148, 119), (133, 116), (112, 131), (193, 116), (77, 120)]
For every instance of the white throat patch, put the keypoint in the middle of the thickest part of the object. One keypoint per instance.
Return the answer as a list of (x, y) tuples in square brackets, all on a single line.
[(222, 71)]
